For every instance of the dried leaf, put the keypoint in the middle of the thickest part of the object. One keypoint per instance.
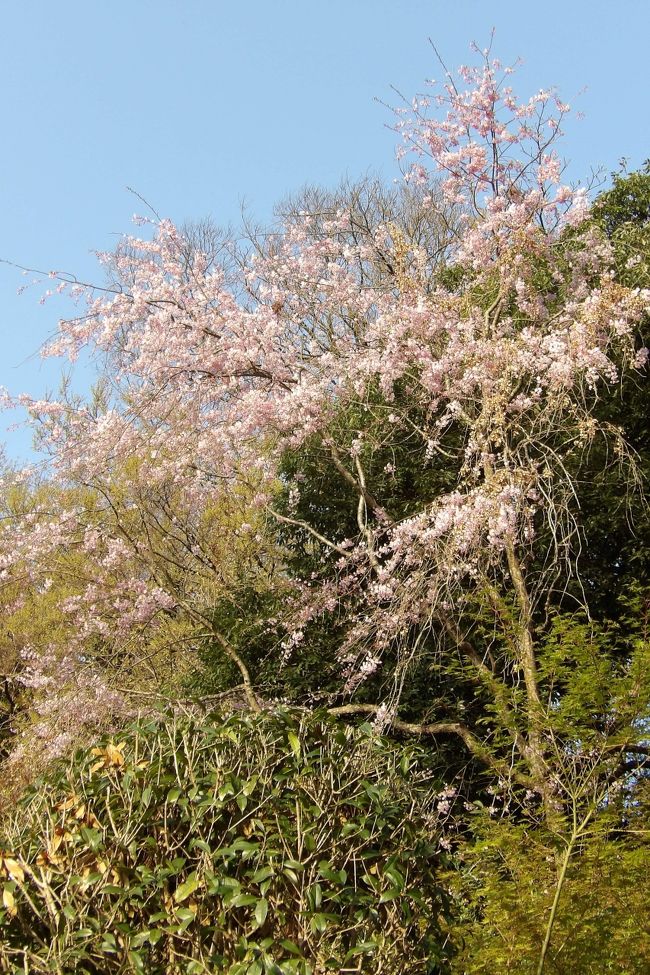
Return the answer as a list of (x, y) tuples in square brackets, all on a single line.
[(67, 804), (110, 757), (114, 754), (13, 869), (9, 902), (46, 859)]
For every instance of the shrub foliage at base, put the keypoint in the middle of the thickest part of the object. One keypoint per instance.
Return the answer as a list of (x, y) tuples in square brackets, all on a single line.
[(278, 845)]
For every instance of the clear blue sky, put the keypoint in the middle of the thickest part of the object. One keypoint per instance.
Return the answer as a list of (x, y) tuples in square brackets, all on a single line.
[(200, 104)]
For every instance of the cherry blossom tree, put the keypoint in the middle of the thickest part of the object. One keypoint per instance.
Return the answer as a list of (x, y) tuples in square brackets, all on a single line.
[(489, 366)]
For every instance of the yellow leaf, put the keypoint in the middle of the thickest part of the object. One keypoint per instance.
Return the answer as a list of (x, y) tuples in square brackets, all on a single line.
[(67, 804), (114, 754), (294, 741), (46, 859), (14, 869), (60, 836), (9, 901), (111, 756)]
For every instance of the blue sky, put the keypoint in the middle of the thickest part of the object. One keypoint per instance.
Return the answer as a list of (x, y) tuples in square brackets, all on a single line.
[(202, 104)]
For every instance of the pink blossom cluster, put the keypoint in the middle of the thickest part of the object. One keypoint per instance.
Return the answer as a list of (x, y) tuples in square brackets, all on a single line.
[(72, 698)]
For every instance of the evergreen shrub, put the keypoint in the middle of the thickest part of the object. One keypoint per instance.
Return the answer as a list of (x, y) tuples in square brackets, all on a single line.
[(282, 844)]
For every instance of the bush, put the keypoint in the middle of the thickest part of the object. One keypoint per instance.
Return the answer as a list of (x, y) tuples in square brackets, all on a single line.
[(276, 845), (505, 889)]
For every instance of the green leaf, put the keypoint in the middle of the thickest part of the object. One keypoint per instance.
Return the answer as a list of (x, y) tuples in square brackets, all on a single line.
[(197, 844), (262, 874), (227, 789), (317, 894), (136, 961), (291, 947), (361, 949), (318, 923), (294, 741), (185, 916), (294, 864), (243, 900), (389, 895), (108, 943), (261, 911), (249, 786), (245, 846), (186, 888), (393, 874)]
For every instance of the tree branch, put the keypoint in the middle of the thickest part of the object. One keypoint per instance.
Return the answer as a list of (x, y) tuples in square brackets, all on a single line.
[(473, 744), (299, 523), (368, 497)]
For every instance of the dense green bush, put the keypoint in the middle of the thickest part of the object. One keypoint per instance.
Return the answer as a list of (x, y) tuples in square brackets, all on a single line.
[(507, 882), (282, 844)]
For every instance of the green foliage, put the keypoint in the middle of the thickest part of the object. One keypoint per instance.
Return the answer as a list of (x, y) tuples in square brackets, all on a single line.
[(389, 449), (250, 620), (506, 888), (623, 212), (283, 844), (613, 509), (578, 874), (277, 845), (313, 492), (598, 676)]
